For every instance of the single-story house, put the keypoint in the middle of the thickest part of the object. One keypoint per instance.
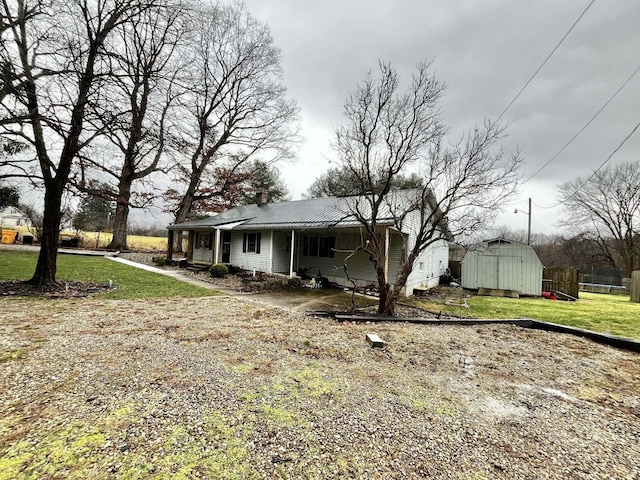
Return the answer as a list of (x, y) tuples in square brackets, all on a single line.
[(13, 217), (314, 235), (503, 265)]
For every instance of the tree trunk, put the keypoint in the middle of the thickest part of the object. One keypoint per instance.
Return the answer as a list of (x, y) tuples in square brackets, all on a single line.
[(183, 211), (45, 273), (386, 302), (121, 219)]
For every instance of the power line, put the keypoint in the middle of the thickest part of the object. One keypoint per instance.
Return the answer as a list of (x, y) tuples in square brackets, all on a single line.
[(597, 169), (545, 60), (612, 153), (585, 125)]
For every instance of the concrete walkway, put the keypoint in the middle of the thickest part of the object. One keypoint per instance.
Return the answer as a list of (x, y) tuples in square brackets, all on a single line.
[(178, 275), (302, 300)]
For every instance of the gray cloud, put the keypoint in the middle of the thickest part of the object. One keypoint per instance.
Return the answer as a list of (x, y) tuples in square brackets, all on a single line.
[(484, 51)]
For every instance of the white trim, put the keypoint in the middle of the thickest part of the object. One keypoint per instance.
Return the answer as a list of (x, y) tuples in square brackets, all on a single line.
[(216, 254), (228, 226), (386, 254), (271, 253), (293, 243)]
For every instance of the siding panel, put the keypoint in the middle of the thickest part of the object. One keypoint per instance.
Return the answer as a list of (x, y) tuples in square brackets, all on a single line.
[(509, 266)]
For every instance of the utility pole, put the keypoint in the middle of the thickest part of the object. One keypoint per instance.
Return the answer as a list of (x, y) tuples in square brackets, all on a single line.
[(529, 224)]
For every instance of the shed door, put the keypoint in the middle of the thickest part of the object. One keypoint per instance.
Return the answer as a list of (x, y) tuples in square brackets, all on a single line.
[(510, 277), (488, 271)]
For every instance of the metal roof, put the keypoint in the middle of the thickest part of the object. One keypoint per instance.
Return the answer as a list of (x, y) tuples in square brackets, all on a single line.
[(312, 213)]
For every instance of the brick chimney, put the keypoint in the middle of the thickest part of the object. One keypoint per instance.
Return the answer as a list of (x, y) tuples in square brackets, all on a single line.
[(262, 198)]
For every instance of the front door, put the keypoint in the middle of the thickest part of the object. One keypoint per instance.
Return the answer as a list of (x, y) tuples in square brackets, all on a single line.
[(226, 247)]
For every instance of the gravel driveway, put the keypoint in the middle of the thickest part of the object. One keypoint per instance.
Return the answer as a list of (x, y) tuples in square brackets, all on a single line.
[(223, 387)]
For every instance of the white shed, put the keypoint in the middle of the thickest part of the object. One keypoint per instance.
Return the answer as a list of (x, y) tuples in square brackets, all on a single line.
[(504, 265)]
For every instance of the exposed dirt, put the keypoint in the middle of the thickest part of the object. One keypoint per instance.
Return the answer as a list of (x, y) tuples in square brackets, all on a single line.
[(57, 290)]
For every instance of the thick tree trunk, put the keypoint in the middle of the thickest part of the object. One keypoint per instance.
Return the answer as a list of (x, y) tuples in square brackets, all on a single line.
[(121, 218), (184, 209), (45, 273), (386, 302)]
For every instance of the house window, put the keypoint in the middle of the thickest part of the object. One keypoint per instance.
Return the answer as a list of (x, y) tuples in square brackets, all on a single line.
[(313, 246), (251, 243), (204, 241)]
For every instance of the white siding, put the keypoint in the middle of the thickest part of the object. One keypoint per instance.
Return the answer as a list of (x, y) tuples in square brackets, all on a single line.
[(431, 263), (251, 260), (506, 266), (429, 266), (281, 257), (396, 251)]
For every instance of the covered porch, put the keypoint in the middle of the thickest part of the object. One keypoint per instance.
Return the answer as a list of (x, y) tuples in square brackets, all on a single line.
[(314, 252)]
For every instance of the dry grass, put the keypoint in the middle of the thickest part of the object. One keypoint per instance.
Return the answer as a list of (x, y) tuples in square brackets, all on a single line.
[(227, 388)]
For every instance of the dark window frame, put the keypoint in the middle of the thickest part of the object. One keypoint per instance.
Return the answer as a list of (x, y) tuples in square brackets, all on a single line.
[(251, 242), (321, 246)]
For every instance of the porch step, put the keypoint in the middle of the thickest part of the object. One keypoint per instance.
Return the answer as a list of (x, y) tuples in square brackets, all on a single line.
[(197, 268)]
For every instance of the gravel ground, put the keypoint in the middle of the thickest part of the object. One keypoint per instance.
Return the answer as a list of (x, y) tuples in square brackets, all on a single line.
[(223, 387)]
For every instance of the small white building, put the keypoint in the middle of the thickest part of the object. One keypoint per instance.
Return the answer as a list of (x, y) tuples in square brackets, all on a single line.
[(504, 265), (13, 217)]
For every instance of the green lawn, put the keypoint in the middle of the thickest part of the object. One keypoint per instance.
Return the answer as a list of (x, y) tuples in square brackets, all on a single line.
[(602, 313), (131, 282)]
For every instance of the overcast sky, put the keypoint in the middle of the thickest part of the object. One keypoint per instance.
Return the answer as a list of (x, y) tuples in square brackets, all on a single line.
[(485, 52)]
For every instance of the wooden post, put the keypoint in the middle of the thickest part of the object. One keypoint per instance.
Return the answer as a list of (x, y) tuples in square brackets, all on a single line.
[(170, 246), (190, 239), (635, 286)]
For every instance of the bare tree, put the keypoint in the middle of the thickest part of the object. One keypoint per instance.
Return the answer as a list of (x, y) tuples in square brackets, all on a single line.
[(236, 106), (134, 115), (385, 133), (606, 207), (55, 58)]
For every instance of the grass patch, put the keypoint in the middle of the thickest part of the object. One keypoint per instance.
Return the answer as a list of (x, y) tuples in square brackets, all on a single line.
[(613, 314), (16, 354), (131, 282)]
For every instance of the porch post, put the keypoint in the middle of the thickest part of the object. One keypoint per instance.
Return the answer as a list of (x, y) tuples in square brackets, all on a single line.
[(271, 253), (170, 246), (216, 254), (293, 249), (190, 241), (386, 254)]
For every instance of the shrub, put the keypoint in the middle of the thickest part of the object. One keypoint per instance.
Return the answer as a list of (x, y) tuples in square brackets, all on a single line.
[(294, 283), (218, 270), (160, 260)]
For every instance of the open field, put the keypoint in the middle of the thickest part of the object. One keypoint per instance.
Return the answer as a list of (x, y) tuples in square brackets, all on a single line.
[(221, 387), (135, 242), (613, 314), (131, 282), (102, 239)]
